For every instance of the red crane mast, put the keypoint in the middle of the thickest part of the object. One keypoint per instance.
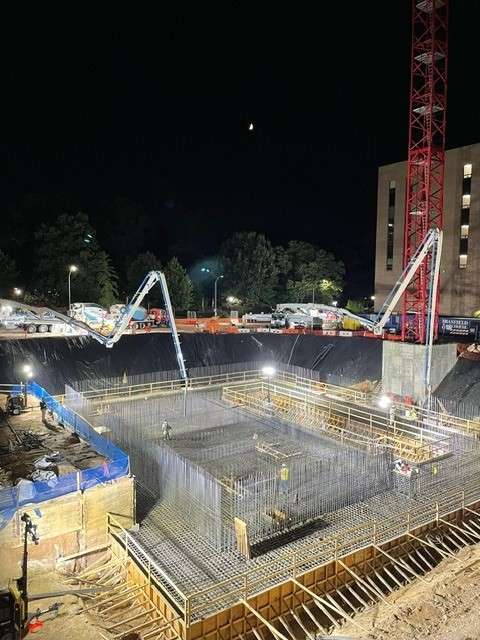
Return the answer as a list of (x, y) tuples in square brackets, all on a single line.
[(426, 153)]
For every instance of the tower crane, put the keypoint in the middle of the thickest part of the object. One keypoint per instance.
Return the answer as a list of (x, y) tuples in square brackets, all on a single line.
[(426, 158)]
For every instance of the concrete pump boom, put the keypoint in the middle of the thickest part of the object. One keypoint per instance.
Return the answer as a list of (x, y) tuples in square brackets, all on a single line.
[(123, 321)]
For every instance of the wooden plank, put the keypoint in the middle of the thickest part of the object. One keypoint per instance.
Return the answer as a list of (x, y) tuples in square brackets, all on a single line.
[(347, 601), (464, 543), (443, 553), (422, 556), (269, 626), (357, 596), (459, 529), (120, 602), (110, 598), (313, 619), (326, 612), (287, 627), (400, 565), (85, 552), (415, 562), (394, 577), (298, 620), (131, 618), (376, 590), (472, 532), (142, 626), (336, 607), (383, 581), (241, 533)]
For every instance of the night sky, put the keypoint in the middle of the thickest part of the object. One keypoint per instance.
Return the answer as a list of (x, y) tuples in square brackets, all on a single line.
[(151, 109)]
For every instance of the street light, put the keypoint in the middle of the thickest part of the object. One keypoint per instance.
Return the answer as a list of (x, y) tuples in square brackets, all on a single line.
[(71, 269), (216, 281), (334, 303), (17, 292), (372, 298)]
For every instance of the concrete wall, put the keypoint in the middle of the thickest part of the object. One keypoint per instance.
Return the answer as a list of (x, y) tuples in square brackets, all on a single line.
[(460, 288), (66, 525), (403, 367)]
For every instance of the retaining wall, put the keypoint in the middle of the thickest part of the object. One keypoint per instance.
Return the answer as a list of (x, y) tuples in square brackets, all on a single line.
[(60, 361)]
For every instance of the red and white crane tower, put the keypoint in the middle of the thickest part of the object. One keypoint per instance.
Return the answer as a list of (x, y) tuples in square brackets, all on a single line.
[(426, 156)]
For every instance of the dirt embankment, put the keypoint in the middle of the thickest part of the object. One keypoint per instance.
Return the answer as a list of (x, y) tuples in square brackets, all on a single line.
[(445, 607)]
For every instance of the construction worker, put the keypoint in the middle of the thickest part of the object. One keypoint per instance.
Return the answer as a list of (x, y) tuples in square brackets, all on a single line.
[(166, 428), (284, 474), (43, 410)]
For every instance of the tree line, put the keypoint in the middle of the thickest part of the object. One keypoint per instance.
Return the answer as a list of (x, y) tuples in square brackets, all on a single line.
[(255, 273)]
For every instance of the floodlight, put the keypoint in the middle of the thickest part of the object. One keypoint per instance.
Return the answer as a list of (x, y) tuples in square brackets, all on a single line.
[(268, 371)]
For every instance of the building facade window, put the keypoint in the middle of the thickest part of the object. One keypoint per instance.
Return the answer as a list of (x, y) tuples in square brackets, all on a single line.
[(465, 216), (390, 224)]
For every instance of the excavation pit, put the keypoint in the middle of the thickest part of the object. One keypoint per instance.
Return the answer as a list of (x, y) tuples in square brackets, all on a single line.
[(212, 503)]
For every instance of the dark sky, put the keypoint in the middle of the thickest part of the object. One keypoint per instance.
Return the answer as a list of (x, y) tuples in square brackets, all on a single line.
[(152, 108)]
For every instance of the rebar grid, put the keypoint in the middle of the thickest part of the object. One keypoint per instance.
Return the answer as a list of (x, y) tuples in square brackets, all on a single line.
[(222, 465), (176, 534)]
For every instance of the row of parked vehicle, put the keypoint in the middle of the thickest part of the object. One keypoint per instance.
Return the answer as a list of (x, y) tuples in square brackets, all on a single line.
[(41, 320)]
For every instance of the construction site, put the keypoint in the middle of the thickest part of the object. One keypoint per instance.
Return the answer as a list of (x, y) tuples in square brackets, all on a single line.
[(256, 485), (274, 505)]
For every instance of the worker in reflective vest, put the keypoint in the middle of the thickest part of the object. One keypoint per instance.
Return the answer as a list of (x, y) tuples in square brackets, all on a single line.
[(284, 475)]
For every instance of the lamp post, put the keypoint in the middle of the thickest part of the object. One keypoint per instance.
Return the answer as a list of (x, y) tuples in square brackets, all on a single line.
[(204, 270), (268, 372), (216, 281), (17, 292), (27, 374), (71, 269)]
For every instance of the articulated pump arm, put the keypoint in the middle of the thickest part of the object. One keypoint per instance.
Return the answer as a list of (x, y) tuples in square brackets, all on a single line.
[(433, 243), (123, 321)]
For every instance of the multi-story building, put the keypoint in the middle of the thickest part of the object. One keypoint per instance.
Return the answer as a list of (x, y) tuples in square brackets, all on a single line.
[(460, 266)]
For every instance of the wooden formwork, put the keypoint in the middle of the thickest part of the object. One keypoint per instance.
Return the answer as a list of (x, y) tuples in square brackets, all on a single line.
[(294, 594)]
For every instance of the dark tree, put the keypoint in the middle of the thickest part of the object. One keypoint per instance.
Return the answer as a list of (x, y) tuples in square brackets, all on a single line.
[(8, 274), (315, 275), (250, 269), (179, 284), (138, 269), (71, 241)]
